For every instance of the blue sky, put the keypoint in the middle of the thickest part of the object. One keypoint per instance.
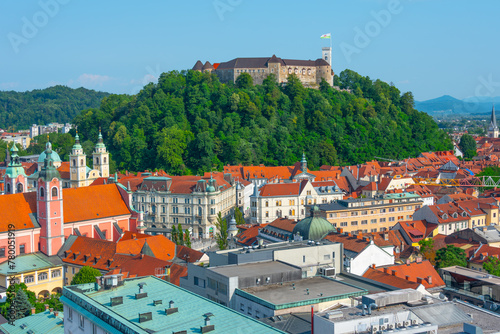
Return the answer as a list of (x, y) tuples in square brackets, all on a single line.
[(429, 47)]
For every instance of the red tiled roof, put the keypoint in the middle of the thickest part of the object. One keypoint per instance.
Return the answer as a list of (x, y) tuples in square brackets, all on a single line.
[(16, 209), (389, 279), (162, 247), (416, 270), (411, 227), (176, 272), (188, 254), (282, 189), (351, 243), (140, 265), (284, 224), (97, 202)]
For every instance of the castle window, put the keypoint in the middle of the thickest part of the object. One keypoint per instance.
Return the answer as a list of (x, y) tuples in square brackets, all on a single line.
[(81, 162), (289, 70), (309, 71), (303, 71), (42, 192), (296, 70), (97, 161), (104, 159), (8, 188), (74, 162), (54, 192)]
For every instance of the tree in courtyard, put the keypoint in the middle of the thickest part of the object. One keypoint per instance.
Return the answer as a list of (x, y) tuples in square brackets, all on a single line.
[(427, 249), (468, 146), (85, 275), (450, 256), (180, 236), (22, 305), (238, 216), (221, 234), (492, 266), (175, 235), (187, 238)]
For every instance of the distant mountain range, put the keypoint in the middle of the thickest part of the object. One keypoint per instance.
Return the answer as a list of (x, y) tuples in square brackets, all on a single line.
[(448, 105)]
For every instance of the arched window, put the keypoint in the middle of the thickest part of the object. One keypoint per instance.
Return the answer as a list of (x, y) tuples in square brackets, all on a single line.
[(20, 188), (104, 159), (54, 192), (97, 160), (81, 162), (74, 162), (42, 192), (8, 188)]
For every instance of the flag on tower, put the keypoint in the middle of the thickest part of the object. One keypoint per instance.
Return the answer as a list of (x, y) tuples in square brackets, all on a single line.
[(329, 35)]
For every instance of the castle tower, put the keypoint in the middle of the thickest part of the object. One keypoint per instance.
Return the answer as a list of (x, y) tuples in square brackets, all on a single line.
[(327, 54), (100, 157), (50, 206), (16, 180), (232, 229), (77, 165), (493, 128), (303, 163)]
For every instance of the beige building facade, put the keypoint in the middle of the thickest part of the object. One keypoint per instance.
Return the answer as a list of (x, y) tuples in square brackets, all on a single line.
[(376, 214)]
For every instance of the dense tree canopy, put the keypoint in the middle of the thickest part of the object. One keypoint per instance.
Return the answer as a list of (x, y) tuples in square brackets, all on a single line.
[(492, 266), (450, 256), (85, 275), (468, 146), (19, 110), (189, 122)]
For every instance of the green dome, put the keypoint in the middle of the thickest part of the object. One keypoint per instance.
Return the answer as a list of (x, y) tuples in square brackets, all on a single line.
[(55, 157), (313, 228), (211, 189)]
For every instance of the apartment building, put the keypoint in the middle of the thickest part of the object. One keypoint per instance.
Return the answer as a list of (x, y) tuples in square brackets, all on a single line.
[(375, 214), (278, 200), (192, 201)]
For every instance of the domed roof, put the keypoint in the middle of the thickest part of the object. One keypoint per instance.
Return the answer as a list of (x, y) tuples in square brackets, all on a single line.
[(211, 189), (313, 228), (55, 157)]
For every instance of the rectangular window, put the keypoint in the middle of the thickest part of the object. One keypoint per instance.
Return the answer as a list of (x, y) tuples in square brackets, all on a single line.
[(70, 313), (409, 207), (42, 276), (267, 213), (343, 224), (22, 249), (373, 221), (354, 223), (373, 230), (94, 329), (354, 213), (242, 307), (29, 279), (391, 219), (391, 209), (364, 222), (382, 220), (382, 210), (326, 257), (400, 208), (364, 212), (303, 258), (2, 252), (55, 273), (309, 192), (81, 322)]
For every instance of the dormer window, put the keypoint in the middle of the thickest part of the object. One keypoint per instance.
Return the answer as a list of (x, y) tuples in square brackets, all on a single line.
[(464, 214), (445, 216), (454, 215)]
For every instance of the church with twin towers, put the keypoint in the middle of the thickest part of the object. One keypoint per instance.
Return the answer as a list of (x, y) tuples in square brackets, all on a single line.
[(310, 72)]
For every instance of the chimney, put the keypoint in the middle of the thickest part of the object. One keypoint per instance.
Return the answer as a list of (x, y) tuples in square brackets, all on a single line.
[(407, 277), (429, 279), (51, 310), (419, 280), (56, 313), (386, 270), (386, 236), (373, 266), (33, 310), (393, 272), (46, 306), (341, 230)]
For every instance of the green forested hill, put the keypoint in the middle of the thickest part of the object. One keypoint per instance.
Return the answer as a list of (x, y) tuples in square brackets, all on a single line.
[(19, 110), (190, 122)]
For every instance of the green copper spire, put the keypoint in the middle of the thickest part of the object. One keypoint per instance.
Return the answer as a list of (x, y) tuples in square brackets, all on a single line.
[(77, 145), (14, 168), (100, 143)]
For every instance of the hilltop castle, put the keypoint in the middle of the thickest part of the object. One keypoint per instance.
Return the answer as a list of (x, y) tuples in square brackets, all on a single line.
[(310, 72)]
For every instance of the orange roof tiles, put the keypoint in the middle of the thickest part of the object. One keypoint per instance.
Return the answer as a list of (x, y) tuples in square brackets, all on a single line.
[(282, 189), (351, 243), (388, 278), (96, 202), (162, 247), (283, 224), (188, 254), (415, 272), (16, 209), (140, 265)]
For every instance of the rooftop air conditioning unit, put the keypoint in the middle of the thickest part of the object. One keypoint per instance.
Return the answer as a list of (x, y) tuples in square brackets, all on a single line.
[(327, 271)]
